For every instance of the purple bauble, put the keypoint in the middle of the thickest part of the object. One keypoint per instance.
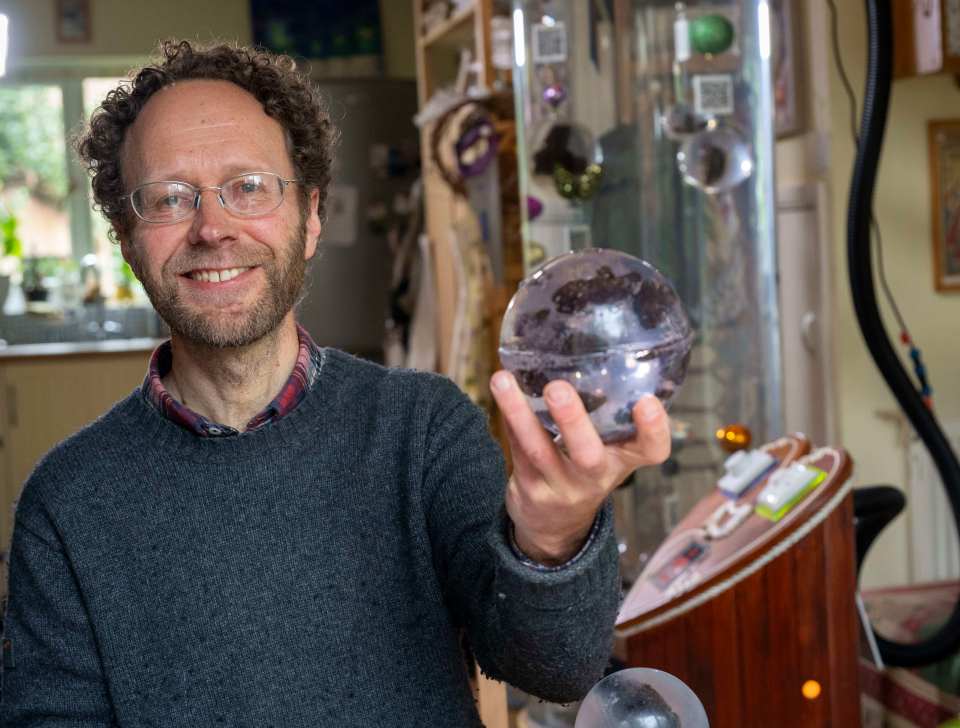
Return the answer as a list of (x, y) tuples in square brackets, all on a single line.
[(554, 94), (534, 207)]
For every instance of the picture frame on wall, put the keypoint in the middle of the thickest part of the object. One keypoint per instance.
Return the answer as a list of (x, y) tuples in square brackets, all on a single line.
[(785, 56), (943, 138), (73, 21)]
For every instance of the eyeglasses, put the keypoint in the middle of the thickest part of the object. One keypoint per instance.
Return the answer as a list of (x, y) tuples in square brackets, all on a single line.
[(246, 195)]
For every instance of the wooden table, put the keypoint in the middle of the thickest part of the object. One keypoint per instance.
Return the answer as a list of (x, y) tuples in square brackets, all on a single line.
[(765, 610)]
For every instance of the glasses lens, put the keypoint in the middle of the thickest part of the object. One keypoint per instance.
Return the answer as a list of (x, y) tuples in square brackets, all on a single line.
[(163, 201), (253, 194)]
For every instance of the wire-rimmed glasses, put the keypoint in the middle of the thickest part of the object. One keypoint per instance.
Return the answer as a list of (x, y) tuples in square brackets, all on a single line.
[(246, 195)]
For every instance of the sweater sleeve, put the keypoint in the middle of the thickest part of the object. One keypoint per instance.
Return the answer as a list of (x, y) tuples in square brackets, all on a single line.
[(549, 633), (52, 674)]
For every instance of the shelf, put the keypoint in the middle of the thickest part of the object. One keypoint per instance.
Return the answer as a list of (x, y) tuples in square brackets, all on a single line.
[(453, 31)]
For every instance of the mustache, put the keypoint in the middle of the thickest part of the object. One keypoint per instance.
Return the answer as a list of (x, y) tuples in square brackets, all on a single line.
[(190, 263)]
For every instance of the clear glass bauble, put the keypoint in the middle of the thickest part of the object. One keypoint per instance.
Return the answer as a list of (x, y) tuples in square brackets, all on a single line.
[(608, 323), (641, 697)]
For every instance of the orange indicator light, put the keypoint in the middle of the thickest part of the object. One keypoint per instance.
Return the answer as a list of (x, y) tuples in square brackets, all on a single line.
[(811, 690)]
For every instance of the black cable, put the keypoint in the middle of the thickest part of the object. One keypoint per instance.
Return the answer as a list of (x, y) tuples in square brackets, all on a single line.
[(945, 641), (855, 135), (844, 78)]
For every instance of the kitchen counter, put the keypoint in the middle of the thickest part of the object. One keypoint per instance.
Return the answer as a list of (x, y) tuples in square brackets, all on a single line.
[(73, 348)]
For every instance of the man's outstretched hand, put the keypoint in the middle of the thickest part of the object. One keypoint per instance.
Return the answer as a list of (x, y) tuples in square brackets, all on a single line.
[(553, 495)]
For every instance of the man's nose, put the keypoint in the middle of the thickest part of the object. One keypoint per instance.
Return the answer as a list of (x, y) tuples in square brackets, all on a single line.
[(212, 224)]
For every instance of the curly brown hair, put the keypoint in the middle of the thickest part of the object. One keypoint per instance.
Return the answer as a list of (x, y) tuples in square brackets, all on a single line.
[(286, 95)]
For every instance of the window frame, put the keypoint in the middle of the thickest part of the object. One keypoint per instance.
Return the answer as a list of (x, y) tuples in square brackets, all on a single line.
[(68, 73)]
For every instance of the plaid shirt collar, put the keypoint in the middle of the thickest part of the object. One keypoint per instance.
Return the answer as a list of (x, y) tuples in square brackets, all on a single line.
[(301, 379)]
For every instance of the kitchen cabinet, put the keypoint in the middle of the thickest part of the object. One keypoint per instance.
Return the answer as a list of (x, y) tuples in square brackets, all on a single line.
[(46, 398)]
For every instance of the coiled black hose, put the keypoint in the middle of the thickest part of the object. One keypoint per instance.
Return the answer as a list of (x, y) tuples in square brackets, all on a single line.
[(946, 640)]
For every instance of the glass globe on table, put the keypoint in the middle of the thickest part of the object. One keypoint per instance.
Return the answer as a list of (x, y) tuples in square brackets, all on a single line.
[(641, 697)]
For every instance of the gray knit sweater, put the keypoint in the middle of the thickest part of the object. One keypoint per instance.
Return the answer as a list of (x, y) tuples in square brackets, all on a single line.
[(315, 572)]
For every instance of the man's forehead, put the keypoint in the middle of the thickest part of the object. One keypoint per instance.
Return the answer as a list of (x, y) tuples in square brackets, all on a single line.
[(205, 99), (201, 119)]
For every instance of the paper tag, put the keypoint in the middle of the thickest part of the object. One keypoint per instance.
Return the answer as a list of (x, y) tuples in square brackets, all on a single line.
[(681, 39), (549, 43), (713, 94)]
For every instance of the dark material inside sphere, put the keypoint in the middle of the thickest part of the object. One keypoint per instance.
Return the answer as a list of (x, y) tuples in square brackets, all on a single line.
[(566, 147), (715, 164), (642, 707), (651, 299)]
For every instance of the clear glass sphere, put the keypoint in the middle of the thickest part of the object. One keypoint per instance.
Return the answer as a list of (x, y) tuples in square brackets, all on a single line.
[(715, 160), (680, 122), (641, 697), (568, 156), (608, 323)]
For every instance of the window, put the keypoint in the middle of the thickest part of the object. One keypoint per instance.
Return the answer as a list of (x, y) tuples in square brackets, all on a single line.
[(46, 192), (33, 168)]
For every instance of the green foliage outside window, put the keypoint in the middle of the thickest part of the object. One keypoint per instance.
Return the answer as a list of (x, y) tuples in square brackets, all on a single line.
[(32, 145), (10, 244)]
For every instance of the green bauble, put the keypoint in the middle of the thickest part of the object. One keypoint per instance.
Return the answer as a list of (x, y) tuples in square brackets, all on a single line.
[(711, 34)]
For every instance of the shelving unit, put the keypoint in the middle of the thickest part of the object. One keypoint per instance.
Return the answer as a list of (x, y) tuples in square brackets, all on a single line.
[(438, 58), (453, 31)]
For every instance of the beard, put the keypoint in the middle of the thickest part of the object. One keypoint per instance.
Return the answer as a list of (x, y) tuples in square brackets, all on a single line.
[(285, 276)]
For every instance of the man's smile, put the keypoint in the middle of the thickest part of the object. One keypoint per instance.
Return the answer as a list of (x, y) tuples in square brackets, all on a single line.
[(216, 275)]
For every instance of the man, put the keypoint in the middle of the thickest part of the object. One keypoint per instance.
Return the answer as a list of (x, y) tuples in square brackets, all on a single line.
[(268, 533)]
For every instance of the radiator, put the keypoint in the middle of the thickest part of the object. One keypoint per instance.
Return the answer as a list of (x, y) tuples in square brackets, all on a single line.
[(934, 549)]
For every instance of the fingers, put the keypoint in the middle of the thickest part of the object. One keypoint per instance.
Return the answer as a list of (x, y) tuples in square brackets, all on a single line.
[(652, 443), (585, 449), (528, 437), (522, 467)]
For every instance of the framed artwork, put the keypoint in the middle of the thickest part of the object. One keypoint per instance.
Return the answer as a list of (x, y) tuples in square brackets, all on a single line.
[(785, 55), (320, 29), (73, 21), (943, 138)]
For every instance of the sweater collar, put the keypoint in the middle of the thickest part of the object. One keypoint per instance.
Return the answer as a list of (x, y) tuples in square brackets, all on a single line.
[(302, 377)]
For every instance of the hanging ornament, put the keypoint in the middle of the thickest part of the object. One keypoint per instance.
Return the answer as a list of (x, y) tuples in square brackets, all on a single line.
[(570, 156), (680, 122), (711, 34), (534, 207), (554, 94), (574, 186), (715, 160)]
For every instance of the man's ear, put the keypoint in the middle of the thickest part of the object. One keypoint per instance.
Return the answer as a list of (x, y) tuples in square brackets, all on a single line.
[(313, 225)]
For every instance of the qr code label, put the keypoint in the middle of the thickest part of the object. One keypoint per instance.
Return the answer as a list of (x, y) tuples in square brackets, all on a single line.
[(713, 94), (549, 43)]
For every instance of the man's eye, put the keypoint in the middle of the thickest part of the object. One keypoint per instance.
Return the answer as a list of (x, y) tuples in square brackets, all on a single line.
[(170, 201), (249, 187)]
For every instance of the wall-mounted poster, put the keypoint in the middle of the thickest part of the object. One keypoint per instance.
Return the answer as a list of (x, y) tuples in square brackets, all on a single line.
[(320, 29), (944, 142)]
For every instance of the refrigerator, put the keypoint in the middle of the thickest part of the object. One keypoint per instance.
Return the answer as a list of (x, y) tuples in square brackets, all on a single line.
[(347, 286)]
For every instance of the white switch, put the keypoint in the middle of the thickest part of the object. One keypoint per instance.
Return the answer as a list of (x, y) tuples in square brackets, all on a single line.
[(786, 488), (742, 470)]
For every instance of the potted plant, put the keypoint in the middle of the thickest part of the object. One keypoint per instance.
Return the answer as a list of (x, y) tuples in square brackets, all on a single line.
[(11, 254)]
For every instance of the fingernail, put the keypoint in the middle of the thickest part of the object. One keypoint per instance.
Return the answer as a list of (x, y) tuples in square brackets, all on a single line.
[(501, 381), (558, 394), (649, 408)]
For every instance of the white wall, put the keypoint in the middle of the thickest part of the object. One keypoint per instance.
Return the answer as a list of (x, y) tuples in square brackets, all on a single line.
[(132, 28), (903, 210), (123, 27)]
